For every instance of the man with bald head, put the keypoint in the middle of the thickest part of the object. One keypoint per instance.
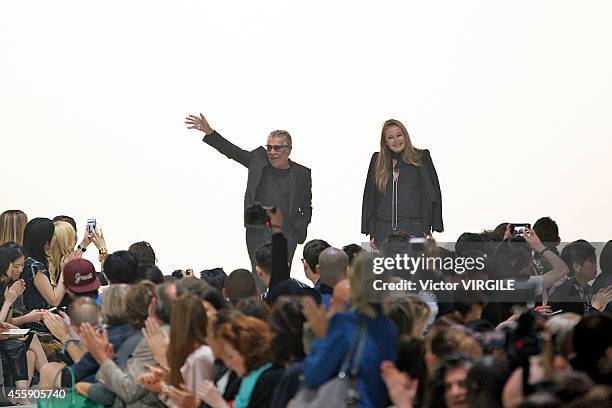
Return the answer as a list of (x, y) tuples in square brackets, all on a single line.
[(333, 267)]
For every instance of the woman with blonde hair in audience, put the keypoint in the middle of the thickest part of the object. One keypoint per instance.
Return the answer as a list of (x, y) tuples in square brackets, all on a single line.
[(12, 225), (63, 243)]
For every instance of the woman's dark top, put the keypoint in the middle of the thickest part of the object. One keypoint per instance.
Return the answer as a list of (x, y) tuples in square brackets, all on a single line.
[(409, 200), (420, 196), (568, 295), (264, 389), (32, 298)]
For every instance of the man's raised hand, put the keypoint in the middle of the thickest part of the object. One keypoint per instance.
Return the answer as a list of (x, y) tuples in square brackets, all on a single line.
[(198, 122)]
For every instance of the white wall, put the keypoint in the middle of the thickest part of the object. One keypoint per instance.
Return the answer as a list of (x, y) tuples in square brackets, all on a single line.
[(512, 98)]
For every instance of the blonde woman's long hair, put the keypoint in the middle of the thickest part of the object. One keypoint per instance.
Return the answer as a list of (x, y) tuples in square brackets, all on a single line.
[(63, 242), (410, 155), (12, 225), (362, 279)]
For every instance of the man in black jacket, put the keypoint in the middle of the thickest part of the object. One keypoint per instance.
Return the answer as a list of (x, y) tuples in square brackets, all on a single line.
[(273, 180)]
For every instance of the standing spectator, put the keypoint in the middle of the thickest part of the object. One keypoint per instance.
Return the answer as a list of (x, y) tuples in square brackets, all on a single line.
[(273, 181), (402, 191)]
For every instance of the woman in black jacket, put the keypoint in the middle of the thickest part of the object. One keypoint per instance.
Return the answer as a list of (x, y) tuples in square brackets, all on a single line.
[(402, 191)]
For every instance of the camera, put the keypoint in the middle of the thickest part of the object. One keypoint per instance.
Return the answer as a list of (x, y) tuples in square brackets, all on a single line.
[(519, 229), (91, 226), (255, 216)]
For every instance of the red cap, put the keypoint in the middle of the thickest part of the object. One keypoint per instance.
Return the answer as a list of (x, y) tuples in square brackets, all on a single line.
[(80, 276)]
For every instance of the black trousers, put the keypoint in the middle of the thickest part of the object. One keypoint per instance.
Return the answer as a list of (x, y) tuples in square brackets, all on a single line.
[(257, 237), (14, 354)]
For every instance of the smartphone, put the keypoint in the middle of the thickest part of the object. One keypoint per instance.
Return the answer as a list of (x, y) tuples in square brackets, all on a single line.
[(91, 226), (519, 229), (556, 312)]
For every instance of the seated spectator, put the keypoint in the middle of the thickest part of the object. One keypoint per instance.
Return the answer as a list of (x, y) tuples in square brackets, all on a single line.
[(66, 218), (225, 379), (63, 243), (67, 328), (485, 383), (240, 284), (39, 291), (121, 267), (247, 348), (573, 293), (143, 253), (272, 268), (215, 277), (211, 298), (446, 338), (561, 350), (190, 359), (12, 287), (114, 315), (12, 225), (254, 307), (119, 369), (351, 250), (151, 273), (548, 231), (310, 260), (448, 387), (287, 323), (604, 279), (80, 279), (592, 342), (333, 267), (328, 353)]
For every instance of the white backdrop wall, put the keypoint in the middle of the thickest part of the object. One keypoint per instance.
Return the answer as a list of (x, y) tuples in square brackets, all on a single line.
[(513, 99)]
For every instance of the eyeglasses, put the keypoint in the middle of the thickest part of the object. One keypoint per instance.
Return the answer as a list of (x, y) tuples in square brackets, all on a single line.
[(276, 148), (394, 138)]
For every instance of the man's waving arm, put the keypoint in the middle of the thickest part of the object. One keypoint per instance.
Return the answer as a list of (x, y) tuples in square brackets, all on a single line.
[(215, 140)]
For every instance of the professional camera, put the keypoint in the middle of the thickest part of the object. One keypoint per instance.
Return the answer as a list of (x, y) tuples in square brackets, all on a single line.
[(255, 216)]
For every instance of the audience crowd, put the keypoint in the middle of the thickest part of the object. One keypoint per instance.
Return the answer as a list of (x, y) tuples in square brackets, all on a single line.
[(121, 333)]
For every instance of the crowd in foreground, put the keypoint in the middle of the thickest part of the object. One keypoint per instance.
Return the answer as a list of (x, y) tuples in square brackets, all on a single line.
[(128, 335)]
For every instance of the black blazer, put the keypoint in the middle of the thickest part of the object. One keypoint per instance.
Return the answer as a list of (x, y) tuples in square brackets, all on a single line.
[(432, 196), (300, 194)]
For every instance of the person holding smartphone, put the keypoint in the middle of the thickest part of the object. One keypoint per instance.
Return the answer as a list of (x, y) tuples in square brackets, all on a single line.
[(273, 181), (402, 191)]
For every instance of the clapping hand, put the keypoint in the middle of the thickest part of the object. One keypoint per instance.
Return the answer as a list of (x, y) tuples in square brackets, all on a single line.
[(183, 397), (97, 344), (601, 299), (158, 341), (153, 380), (56, 325), (209, 393), (12, 292), (315, 315), (402, 388), (198, 122)]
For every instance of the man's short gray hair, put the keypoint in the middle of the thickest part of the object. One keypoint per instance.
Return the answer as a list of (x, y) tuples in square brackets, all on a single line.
[(282, 133)]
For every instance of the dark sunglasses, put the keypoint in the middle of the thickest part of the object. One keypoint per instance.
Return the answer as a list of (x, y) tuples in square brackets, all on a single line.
[(276, 148)]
